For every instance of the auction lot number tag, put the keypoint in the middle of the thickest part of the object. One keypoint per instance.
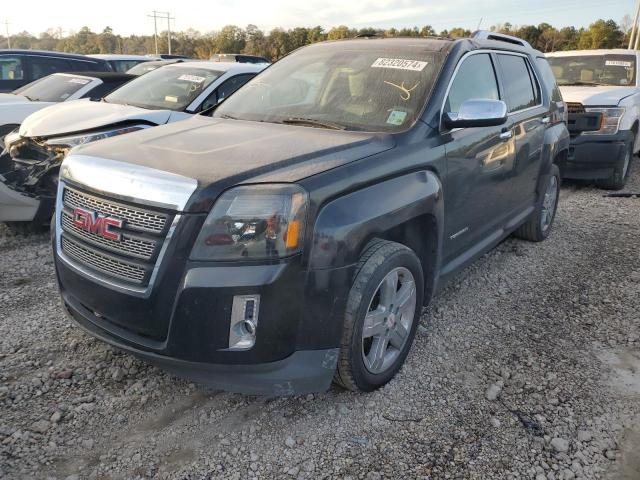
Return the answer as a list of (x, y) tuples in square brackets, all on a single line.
[(192, 78), (400, 64), (618, 63)]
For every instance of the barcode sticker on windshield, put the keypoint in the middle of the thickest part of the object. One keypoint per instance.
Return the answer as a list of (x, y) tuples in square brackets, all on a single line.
[(618, 63), (400, 64), (81, 81), (192, 78)]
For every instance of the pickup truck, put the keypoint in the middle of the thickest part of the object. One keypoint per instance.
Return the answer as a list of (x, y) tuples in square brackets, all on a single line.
[(292, 238), (603, 99)]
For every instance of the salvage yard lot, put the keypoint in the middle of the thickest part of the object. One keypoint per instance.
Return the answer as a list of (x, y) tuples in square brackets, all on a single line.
[(526, 366)]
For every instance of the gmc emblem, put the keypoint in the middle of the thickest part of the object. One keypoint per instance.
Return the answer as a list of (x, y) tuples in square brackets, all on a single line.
[(93, 222)]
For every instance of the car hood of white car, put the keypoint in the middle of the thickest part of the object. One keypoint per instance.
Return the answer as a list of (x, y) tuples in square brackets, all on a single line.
[(600, 95), (83, 115), (11, 98)]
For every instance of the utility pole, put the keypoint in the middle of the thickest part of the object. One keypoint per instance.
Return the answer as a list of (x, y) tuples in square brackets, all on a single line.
[(155, 28), (635, 34), (6, 25), (162, 15)]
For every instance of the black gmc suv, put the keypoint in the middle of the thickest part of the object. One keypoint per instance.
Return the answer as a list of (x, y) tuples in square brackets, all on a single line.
[(291, 237)]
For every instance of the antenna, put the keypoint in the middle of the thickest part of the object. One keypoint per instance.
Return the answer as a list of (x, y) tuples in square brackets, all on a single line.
[(480, 23)]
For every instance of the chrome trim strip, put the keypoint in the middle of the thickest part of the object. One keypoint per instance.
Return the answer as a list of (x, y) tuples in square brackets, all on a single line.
[(126, 181), (143, 292)]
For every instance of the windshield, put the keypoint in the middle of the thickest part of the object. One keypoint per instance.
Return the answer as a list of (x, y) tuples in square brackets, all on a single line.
[(618, 70), (372, 85), (170, 87), (54, 88)]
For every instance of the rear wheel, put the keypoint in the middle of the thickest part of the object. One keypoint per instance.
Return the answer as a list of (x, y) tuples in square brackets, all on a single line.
[(618, 179), (382, 315), (538, 227)]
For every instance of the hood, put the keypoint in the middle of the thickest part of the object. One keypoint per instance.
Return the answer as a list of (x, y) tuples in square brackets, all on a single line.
[(81, 115), (600, 96), (220, 153), (6, 98)]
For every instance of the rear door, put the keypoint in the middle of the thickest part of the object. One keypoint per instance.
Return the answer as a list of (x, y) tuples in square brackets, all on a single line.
[(476, 157), (529, 117), (12, 72)]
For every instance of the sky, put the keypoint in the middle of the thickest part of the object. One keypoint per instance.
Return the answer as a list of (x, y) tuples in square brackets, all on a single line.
[(130, 16)]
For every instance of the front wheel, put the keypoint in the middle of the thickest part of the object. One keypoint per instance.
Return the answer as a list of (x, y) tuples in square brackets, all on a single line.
[(382, 315), (538, 227), (618, 179)]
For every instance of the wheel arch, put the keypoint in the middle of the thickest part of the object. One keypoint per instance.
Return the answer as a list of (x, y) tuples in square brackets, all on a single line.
[(407, 209)]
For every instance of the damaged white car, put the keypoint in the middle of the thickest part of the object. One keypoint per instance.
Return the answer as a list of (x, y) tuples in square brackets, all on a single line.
[(32, 155)]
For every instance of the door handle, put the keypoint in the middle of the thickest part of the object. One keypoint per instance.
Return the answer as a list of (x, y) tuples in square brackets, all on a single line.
[(506, 135), (545, 120)]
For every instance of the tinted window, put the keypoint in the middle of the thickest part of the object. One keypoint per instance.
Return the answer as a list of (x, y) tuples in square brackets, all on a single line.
[(54, 88), (80, 66), (518, 86), (124, 65), (549, 79), (11, 68), (229, 87), (476, 79), (43, 66)]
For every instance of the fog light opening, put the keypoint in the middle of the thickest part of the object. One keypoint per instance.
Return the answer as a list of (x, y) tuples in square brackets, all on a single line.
[(244, 322)]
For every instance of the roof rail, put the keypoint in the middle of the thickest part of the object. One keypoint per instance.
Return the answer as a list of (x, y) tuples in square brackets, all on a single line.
[(500, 37)]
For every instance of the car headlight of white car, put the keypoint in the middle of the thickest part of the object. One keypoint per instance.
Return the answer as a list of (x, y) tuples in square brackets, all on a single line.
[(611, 117), (81, 139)]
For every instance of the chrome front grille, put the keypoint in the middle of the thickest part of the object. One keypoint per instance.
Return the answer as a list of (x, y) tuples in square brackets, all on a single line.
[(573, 107), (132, 256), (98, 261), (136, 219), (128, 245)]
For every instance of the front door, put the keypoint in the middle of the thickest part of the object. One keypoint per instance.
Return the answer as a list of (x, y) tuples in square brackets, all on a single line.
[(476, 161)]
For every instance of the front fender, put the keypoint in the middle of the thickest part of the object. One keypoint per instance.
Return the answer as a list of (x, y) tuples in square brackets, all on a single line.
[(345, 225)]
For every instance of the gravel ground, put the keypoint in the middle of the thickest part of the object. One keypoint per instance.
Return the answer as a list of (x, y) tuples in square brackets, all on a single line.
[(526, 366)]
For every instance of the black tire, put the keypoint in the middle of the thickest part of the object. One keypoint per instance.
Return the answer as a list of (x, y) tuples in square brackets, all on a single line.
[(533, 230), (379, 259), (621, 169), (26, 228)]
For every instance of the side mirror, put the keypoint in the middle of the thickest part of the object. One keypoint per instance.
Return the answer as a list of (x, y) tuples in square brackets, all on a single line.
[(477, 113)]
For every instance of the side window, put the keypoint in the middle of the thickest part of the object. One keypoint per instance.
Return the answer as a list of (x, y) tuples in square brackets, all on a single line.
[(43, 66), (11, 68), (476, 79), (80, 66), (518, 83), (227, 89), (549, 79)]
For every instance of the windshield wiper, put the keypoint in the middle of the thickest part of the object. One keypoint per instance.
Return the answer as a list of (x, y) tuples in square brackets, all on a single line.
[(312, 122), (580, 84)]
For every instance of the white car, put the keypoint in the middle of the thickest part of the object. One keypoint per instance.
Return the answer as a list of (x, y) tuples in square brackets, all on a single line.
[(603, 98), (59, 87), (31, 160), (122, 63)]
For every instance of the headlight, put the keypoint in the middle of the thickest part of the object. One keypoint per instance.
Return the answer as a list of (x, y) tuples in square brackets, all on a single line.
[(11, 138), (254, 223), (610, 120), (75, 140)]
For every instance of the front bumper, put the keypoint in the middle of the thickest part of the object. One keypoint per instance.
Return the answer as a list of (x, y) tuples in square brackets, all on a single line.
[(298, 330), (16, 206), (595, 156), (300, 373)]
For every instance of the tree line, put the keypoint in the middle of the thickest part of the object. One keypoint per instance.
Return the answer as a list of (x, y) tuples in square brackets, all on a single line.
[(278, 42)]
